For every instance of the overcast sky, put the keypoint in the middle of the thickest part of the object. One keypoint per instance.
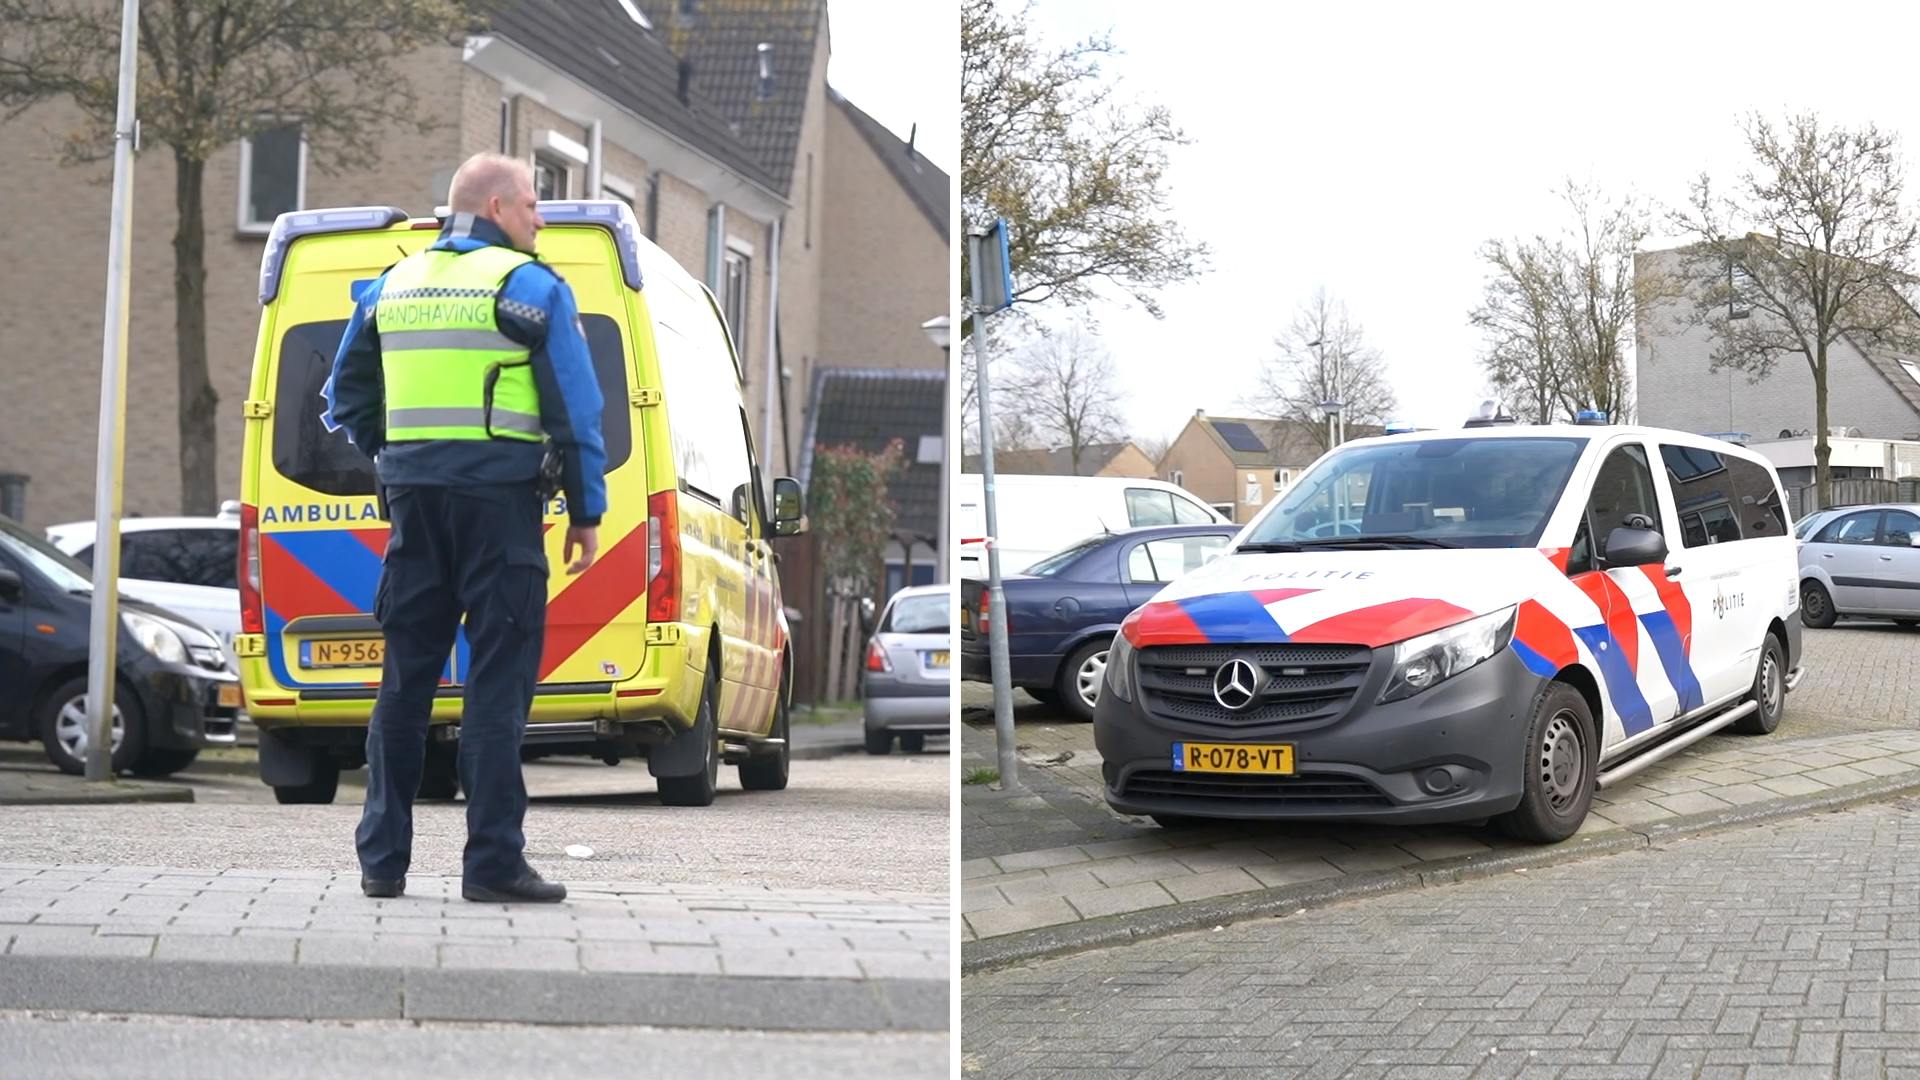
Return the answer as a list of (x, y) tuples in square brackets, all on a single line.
[(1372, 148), (900, 62)]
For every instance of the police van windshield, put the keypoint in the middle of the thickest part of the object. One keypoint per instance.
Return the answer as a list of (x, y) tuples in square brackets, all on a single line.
[(1467, 492)]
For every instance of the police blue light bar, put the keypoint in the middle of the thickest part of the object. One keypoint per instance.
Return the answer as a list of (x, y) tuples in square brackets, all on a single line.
[(1590, 416), (610, 214), (294, 224), (1397, 428)]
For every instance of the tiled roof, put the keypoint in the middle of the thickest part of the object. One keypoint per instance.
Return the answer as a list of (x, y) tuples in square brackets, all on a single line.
[(721, 39), (597, 43), (929, 187), (1055, 462), (870, 407)]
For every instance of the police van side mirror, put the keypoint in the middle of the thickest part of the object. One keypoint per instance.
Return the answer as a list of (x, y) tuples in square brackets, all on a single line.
[(11, 588), (789, 512), (1634, 547)]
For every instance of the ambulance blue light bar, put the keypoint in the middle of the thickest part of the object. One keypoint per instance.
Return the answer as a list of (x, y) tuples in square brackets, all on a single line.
[(610, 214), (294, 224)]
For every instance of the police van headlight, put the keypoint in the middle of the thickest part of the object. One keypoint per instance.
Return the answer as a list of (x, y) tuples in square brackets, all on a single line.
[(1427, 661), (1120, 668), (156, 637)]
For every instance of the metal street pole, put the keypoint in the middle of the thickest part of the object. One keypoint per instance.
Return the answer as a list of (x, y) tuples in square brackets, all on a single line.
[(104, 632), (996, 594)]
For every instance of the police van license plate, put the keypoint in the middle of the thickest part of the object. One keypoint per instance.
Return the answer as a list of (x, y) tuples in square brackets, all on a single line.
[(343, 652), (1232, 758)]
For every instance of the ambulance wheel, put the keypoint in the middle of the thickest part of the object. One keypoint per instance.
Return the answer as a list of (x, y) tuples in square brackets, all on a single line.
[(1769, 692), (698, 789), (316, 792), (1816, 607), (440, 772), (1562, 758), (63, 728), (164, 761), (766, 767), (1080, 677)]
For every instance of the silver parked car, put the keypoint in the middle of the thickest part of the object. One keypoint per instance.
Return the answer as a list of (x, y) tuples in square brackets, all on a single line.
[(1862, 561), (909, 671)]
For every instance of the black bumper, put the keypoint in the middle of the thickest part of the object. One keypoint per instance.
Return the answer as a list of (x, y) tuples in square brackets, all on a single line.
[(182, 705), (1365, 765)]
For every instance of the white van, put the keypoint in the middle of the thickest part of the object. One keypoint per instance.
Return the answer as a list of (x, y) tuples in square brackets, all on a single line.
[(1039, 515), (1461, 625)]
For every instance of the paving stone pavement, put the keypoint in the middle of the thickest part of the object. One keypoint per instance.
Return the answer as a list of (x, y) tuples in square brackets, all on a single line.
[(1790, 950), (1050, 852)]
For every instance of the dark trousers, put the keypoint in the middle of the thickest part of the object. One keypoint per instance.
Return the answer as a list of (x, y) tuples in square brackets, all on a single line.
[(453, 552)]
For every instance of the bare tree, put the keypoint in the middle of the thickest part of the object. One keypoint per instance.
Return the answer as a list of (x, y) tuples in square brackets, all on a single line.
[(1323, 357), (1154, 446), (1013, 426), (1065, 386), (213, 72), (1558, 310), (1829, 256)]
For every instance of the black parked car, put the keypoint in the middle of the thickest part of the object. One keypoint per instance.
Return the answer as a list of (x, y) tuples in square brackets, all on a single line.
[(174, 693), (1062, 611)]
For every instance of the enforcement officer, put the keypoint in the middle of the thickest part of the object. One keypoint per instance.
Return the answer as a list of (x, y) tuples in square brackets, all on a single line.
[(458, 364)]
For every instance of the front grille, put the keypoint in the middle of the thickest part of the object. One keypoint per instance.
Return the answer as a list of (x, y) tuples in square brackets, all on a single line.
[(1305, 683), (1296, 792)]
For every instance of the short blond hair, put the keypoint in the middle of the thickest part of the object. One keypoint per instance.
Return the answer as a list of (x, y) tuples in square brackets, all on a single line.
[(483, 176)]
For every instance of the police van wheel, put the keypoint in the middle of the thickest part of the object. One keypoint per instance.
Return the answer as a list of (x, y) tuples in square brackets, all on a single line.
[(1816, 606), (1557, 781), (766, 769), (440, 774), (318, 791), (698, 789), (1769, 692)]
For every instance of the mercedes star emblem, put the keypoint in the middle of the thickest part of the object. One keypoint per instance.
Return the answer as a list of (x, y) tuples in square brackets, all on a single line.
[(1236, 684)]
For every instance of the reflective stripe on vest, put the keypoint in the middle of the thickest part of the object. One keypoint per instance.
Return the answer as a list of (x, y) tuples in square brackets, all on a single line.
[(449, 371)]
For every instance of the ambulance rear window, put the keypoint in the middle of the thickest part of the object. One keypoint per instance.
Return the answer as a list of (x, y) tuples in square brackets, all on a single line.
[(305, 452)]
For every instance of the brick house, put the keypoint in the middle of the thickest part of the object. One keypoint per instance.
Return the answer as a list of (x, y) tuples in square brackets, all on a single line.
[(1098, 459), (1238, 464)]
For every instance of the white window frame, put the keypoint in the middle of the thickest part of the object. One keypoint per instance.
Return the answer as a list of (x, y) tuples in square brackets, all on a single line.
[(619, 187), (560, 167), (1178, 478), (551, 142), (1252, 495), (744, 250), (262, 228)]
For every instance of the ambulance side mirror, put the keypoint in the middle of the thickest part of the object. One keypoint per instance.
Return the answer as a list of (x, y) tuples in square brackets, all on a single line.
[(789, 507), (1635, 547)]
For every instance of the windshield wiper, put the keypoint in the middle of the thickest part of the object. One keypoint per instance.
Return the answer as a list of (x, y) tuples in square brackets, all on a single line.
[(1266, 549), (1380, 542)]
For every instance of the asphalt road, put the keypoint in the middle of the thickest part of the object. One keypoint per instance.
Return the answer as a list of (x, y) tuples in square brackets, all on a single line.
[(51, 1046), (850, 822)]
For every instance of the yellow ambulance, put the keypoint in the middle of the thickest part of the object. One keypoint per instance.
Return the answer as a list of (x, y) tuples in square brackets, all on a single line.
[(672, 646)]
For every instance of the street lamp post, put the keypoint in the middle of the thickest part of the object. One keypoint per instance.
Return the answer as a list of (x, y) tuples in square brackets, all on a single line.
[(939, 330)]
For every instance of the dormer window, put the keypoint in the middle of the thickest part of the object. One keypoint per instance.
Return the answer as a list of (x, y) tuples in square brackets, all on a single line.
[(763, 72)]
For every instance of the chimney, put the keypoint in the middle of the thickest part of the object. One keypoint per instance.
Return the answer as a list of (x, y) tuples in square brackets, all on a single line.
[(763, 72), (1199, 414), (686, 81), (912, 133)]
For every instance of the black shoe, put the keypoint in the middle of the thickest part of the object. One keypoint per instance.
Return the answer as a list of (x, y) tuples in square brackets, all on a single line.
[(528, 888), (383, 889)]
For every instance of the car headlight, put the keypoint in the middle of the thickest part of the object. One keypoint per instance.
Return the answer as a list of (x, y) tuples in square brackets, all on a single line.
[(1120, 667), (156, 637), (1431, 659)]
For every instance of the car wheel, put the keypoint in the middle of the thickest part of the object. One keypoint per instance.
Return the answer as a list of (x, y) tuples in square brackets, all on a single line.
[(913, 742), (1816, 607), (879, 742), (164, 761), (1769, 692), (318, 791), (699, 788), (1080, 679), (63, 727), (766, 768), (440, 772), (1562, 757)]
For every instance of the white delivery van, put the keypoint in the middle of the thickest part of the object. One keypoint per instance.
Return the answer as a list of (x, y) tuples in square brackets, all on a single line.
[(1039, 515), (1461, 625)]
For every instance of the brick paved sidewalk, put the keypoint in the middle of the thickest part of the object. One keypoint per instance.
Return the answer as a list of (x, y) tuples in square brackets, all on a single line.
[(149, 939)]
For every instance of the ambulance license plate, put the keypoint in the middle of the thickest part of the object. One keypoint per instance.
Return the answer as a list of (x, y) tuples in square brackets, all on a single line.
[(941, 659), (1233, 758), (343, 652)]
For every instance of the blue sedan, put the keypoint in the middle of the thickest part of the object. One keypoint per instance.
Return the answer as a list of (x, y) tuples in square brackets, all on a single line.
[(1062, 611)]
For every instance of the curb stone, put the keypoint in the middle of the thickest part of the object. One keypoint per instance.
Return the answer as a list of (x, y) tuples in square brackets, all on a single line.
[(989, 954)]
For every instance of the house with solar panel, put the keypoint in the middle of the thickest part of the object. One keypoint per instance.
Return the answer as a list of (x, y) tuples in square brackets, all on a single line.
[(1238, 463)]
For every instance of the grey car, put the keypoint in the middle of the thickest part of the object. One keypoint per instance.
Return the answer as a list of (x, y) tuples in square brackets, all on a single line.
[(908, 681), (1864, 562)]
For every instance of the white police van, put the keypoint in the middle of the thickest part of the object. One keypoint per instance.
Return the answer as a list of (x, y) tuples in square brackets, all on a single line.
[(1462, 625)]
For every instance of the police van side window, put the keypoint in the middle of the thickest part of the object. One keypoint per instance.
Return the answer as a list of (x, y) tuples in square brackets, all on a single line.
[(1703, 493), (1761, 513), (1623, 496)]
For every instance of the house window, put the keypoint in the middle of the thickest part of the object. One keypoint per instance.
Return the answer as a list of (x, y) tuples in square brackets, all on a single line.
[(1178, 478), (733, 294), (1253, 489), (1739, 287), (549, 178), (614, 187), (273, 176), (506, 126)]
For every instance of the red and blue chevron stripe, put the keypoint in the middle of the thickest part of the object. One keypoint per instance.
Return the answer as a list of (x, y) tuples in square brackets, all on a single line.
[(1242, 618)]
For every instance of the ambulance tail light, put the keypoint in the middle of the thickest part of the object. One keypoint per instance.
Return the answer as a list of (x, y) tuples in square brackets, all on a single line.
[(663, 557), (252, 620)]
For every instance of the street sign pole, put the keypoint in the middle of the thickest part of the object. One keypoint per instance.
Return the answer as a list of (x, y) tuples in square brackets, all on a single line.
[(992, 291), (104, 635)]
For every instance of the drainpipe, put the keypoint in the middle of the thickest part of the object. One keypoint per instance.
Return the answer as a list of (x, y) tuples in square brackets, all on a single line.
[(773, 352), (594, 161)]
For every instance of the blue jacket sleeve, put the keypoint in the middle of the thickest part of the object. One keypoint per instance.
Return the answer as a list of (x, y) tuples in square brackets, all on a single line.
[(356, 396), (570, 398)]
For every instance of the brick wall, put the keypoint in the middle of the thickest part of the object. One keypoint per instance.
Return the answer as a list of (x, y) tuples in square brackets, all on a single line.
[(1204, 468)]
